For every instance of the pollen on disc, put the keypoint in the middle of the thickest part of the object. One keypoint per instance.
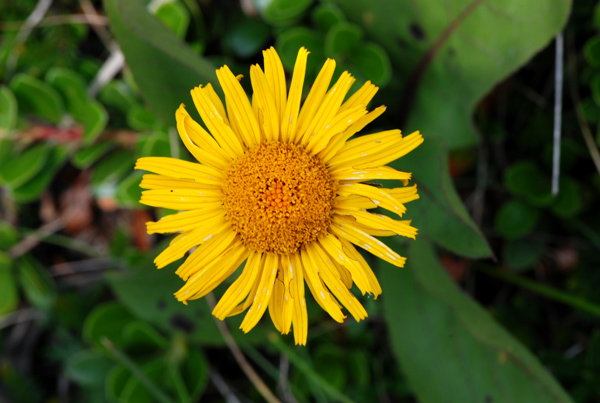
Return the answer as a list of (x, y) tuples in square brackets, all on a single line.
[(278, 197)]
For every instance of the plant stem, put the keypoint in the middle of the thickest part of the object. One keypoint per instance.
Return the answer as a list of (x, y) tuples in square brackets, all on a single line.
[(544, 290)]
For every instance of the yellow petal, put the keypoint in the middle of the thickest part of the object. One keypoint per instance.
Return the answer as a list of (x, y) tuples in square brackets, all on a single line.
[(338, 141), (354, 202), (186, 220), (315, 284), (179, 169), (327, 110), (215, 122), (360, 175), (334, 283), (276, 302), (405, 194), (209, 276), (266, 103), (212, 247), (183, 243), (300, 317), (362, 97), (240, 288), (381, 222), (378, 195), (276, 79), (352, 253), (292, 106), (164, 182), (263, 294), (240, 106), (314, 99), (338, 125), (332, 245), (216, 101), (191, 139), (344, 230), (180, 199), (375, 150)]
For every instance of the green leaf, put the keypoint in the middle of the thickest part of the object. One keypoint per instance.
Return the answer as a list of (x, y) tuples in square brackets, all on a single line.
[(469, 55), (591, 51), (107, 320), (116, 94), (9, 298), (91, 114), (8, 235), (527, 180), (129, 192), (8, 110), (37, 285), (140, 118), (291, 40), (37, 97), (439, 214), (175, 16), (194, 372), (164, 68), (18, 168), (156, 144), (343, 37), (285, 12), (568, 202), (88, 368), (33, 188), (86, 156), (522, 254), (516, 219), (325, 16), (450, 349), (148, 293), (372, 60), (112, 168), (247, 38), (139, 334)]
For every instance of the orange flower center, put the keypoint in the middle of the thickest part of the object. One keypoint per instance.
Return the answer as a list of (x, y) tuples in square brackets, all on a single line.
[(278, 197)]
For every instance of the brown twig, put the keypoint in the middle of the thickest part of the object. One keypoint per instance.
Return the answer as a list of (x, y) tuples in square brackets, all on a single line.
[(93, 20), (258, 383), (31, 240)]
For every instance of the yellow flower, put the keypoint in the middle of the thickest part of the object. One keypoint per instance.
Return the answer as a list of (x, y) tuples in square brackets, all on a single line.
[(283, 189)]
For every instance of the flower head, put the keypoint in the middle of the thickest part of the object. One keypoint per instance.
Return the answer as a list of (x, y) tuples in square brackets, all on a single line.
[(283, 189)]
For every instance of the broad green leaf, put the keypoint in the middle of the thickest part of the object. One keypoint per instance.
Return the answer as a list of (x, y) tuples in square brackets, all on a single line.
[(9, 298), (138, 334), (343, 37), (439, 214), (148, 293), (569, 201), (8, 110), (450, 349), (136, 392), (107, 320), (37, 97), (473, 46), (516, 219), (194, 373), (88, 368), (37, 285), (164, 68), (86, 156), (33, 188), (19, 167)]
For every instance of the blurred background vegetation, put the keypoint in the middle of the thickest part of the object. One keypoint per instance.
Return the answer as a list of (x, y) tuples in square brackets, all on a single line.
[(499, 300)]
